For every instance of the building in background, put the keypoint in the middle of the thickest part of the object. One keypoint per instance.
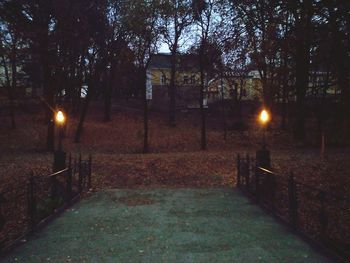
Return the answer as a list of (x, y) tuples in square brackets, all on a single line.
[(235, 87), (187, 81), (24, 86)]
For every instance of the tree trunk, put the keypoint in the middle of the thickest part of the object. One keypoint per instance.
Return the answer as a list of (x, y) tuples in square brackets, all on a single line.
[(284, 114), (343, 81), (284, 109), (223, 108), (201, 98), (14, 83), (10, 92), (303, 34), (86, 104), (108, 94), (108, 101), (145, 114), (172, 91), (302, 80), (50, 117), (108, 104), (43, 50), (50, 114)]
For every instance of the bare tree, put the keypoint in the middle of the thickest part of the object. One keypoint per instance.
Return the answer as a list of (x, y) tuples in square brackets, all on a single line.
[(203, 15), (176, 18), (9, 44), (302, 13), (143, 22)]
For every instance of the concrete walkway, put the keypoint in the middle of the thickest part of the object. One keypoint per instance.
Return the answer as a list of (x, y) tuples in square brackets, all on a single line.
[(162, 225)]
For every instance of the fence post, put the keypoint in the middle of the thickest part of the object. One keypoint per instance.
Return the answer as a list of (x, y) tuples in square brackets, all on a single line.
[(53, 187), (293, 203), (70, 161), (257, 183), (238, 170), (31, 201), (69, 184), (80, 178), (90, 171), (323, 216), (75, 166), (273, 189)]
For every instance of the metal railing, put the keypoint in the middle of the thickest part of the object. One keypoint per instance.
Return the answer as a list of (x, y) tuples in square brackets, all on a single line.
[(314, 212), (24, 207)]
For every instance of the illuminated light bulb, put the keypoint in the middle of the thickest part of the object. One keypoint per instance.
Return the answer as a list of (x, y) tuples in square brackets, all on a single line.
[(264, 116), (60, 117)]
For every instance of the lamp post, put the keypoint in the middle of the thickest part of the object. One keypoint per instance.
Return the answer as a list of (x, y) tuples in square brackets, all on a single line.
[(59, 155), (263, 154)]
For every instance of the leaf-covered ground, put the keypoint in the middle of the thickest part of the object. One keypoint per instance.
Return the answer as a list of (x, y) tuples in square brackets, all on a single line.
[(175, 159)]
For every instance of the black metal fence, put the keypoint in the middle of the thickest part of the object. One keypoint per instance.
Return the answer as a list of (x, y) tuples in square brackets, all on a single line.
[(24, 207), (317, 214)]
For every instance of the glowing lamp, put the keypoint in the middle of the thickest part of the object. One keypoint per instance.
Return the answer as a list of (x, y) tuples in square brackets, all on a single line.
[(60, 118), (264, 116)]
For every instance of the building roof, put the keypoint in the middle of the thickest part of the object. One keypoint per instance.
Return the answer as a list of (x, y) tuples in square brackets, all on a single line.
[(184, 61), (160, 61)]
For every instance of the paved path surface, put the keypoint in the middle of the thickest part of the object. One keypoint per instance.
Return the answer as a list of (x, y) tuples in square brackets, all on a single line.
[(162, 225)]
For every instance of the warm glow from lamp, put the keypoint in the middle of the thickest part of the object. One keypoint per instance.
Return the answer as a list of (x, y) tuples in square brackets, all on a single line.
[(60, 119), (264, 116)]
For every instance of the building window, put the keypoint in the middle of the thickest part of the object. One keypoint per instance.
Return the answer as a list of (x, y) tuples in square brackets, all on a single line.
[(193, 79), (186, 79), (163, 79), (189, 79)]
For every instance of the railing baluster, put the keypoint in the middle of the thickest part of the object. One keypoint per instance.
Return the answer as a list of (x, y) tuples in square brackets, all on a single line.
[(269, 190), (32, 202), (53, 187), (258, 174), (272, 188), (69, 184)]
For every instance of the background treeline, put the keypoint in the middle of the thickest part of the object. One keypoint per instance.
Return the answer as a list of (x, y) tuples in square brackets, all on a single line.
[(104, 47)]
